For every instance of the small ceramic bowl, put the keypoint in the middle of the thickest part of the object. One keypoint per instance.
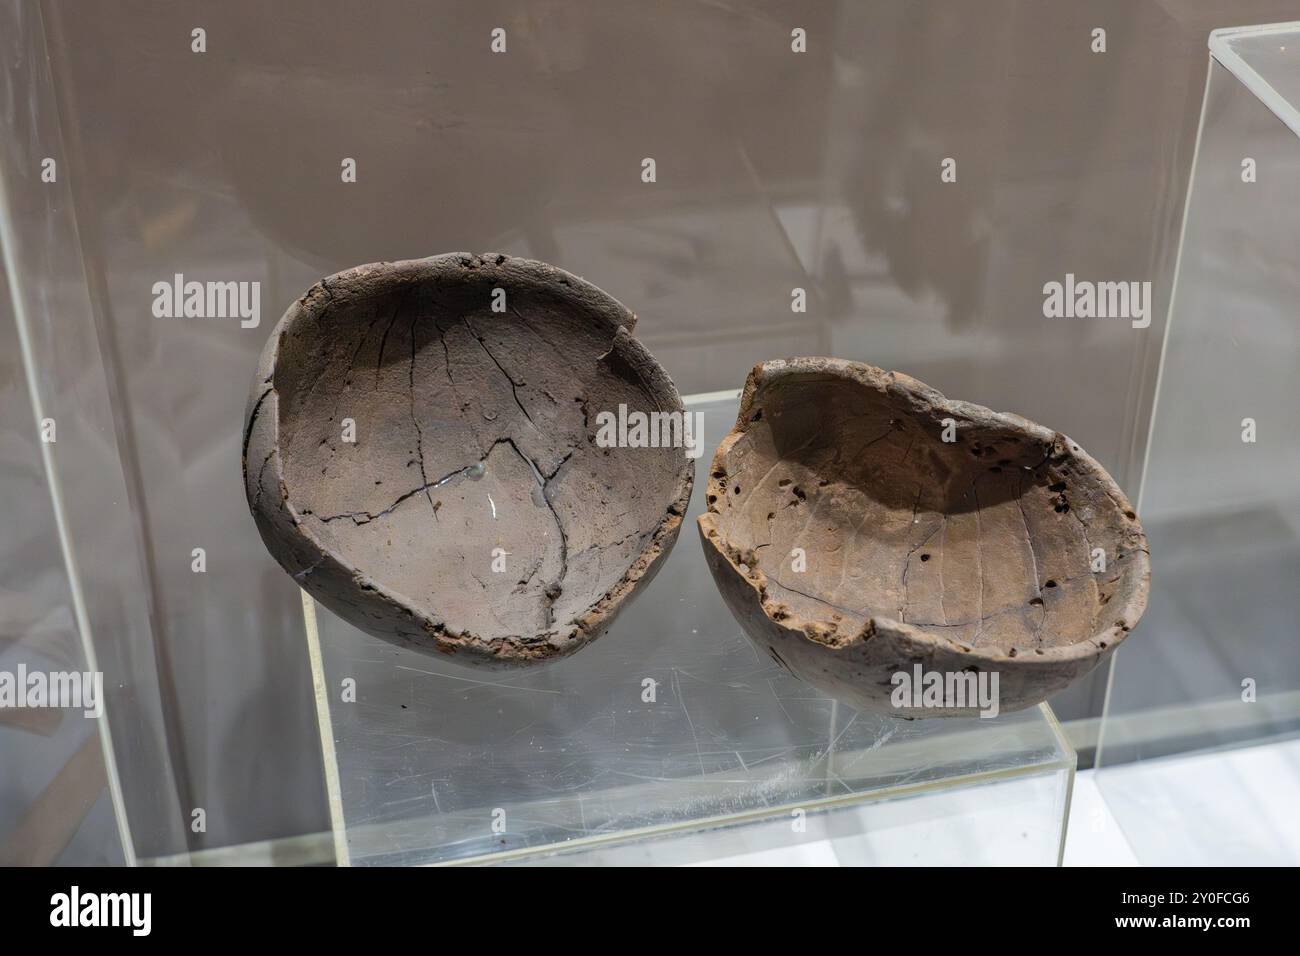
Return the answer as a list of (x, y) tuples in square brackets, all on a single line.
[(868, 532)]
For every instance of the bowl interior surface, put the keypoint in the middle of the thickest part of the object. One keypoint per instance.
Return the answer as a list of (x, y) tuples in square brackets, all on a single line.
[(446, 449)]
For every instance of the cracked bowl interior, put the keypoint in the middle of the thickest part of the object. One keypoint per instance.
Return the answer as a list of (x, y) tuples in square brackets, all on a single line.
[(474, 513), (971, 555)]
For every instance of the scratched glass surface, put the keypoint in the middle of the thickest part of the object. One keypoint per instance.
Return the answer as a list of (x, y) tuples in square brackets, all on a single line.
[(431, 750)]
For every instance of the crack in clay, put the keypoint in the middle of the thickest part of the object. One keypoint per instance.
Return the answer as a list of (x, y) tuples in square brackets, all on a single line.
[(820, 600), (261, 473), (605, 545), (372, 516), (907, 564), (446, 358), (584, 399), (521, 586), (844, 562), (514, 386), (556, 470), (1033, 558), (560, 353), (889, 431), (383, 341), (556, 586), (978, 621), (252, 419), (346, 380), (415, 420)]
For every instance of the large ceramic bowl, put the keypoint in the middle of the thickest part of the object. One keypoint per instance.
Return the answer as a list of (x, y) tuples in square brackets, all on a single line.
[(422, 454)]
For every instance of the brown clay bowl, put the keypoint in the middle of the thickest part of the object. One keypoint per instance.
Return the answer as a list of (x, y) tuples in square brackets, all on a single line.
[(426, 466), (975, 555)]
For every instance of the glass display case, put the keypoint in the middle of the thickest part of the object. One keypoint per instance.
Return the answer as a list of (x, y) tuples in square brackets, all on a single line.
[(1219, 664), (868, 181)]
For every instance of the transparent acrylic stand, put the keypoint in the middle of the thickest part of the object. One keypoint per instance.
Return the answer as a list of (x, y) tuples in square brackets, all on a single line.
[(1216, 664), (669, 740)]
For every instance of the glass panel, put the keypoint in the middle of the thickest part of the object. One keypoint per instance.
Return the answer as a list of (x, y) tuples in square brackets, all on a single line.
[(1217, 661)]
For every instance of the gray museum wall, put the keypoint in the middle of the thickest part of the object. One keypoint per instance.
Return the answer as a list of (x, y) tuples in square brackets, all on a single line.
[(775, 171)]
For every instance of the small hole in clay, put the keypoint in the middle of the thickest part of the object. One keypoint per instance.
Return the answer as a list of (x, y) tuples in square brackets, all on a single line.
[(925, 557), (1050, 584)]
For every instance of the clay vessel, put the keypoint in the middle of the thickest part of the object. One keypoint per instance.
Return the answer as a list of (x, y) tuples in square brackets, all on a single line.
[(421, 453), (853, 543)]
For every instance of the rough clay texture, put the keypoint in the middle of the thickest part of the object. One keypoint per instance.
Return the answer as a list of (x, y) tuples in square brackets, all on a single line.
[(475, 430), (964, 556)]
